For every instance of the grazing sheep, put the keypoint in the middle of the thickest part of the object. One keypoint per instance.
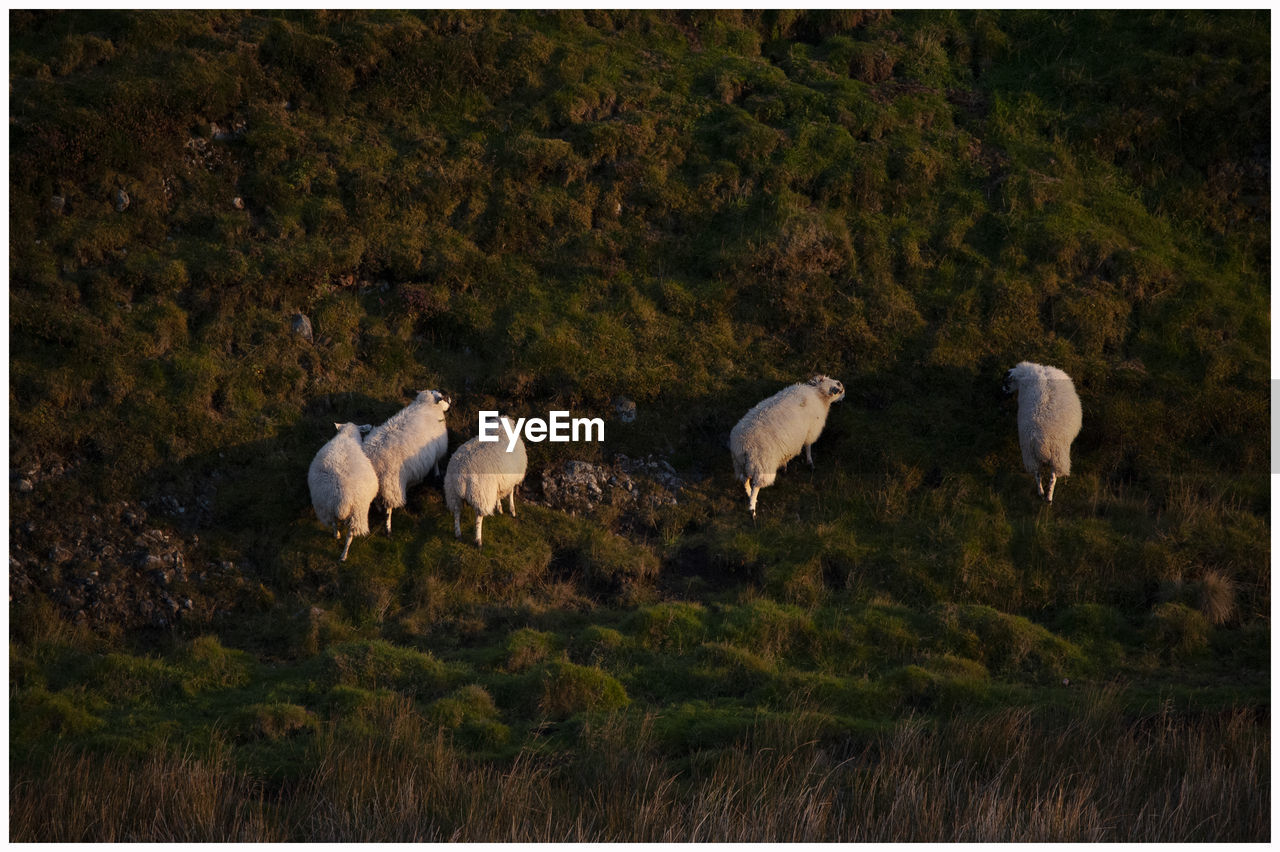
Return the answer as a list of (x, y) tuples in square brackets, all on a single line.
[(777, 429), (481, 473), (343, 484), (408, 445), (1048, 420)]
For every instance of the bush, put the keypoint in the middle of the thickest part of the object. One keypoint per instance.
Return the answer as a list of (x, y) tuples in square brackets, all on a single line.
[(206, 665), (275, 721), (377, 664), (1177, 632), (568, 689)]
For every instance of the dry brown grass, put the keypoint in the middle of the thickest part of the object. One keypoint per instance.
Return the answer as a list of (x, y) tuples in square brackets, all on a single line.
[(1217, 598), (1012, 776)]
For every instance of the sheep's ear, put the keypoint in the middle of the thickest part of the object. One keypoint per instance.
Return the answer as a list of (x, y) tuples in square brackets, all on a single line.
[(337, 426)]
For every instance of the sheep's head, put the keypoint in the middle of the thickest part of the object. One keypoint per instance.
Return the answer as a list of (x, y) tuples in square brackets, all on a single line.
[(355, 431), (1016, 374), (830, 389), (434, 397)]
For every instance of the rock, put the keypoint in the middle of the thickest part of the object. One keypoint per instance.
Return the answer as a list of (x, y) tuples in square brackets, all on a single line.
[(575, 486), (122, 200), (237, 203), (625, 408), (227, 134), (302, 327), (25, 486)]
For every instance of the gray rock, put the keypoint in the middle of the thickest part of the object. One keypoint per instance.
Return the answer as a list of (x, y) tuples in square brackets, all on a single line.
[(302, 327), (625, 408), (122, 200)]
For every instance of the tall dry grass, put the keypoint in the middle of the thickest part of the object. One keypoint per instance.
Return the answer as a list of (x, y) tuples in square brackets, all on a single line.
[(1016, 775)]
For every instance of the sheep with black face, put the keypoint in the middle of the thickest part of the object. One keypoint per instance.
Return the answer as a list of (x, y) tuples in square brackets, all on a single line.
[(778, 429), (407, 447)]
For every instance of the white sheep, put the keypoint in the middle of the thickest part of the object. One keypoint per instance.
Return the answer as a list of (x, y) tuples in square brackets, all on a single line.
[(1048, 420), (481, 473), (343, 484), (407, 446), (777, 429)]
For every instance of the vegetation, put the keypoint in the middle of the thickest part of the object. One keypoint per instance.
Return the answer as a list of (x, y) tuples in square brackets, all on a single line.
[(539, 211)]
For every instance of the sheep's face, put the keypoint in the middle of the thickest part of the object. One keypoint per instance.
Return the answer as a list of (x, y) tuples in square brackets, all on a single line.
[(831, 389), (435, 397)]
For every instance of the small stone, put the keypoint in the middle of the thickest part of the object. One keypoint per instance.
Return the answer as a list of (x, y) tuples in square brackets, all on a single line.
[(302, 327), (122, 200), (25, 486), (625, 408), (237, 203)]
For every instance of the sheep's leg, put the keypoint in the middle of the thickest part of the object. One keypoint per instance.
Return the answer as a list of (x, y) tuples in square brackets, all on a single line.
[(388, 521), (1053, 480), (746, 483), (808, 455), (351, 533), (479, 521), (511, 499), (754, 491), (1039, 485), (498, 509), (337, 531), (457, 523)]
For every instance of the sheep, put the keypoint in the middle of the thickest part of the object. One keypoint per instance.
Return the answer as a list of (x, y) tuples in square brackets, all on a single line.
[(777, 429), (1048, 420), (343, 484), (408, 445), (481, 473)]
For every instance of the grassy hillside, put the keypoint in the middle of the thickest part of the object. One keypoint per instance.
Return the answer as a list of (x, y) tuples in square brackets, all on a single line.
[(536, 211)]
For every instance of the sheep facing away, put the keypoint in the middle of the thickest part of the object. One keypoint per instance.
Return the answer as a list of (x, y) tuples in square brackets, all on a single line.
[(777, 429), (343, 484), (1048, 420), (407, 446), (481, 473)]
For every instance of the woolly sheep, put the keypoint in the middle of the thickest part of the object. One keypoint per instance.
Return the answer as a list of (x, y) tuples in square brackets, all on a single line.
[(481, 473), (407, 446), (343, 484), (1048, 420), (777, 429)]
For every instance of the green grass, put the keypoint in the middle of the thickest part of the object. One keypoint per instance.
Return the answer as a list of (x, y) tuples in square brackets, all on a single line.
[(689, 209)]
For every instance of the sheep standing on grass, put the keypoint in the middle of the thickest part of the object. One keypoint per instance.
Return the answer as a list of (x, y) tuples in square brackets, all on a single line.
[(777, 429), (1048, 420), (407, 446), (481, 473), (343, 484)]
